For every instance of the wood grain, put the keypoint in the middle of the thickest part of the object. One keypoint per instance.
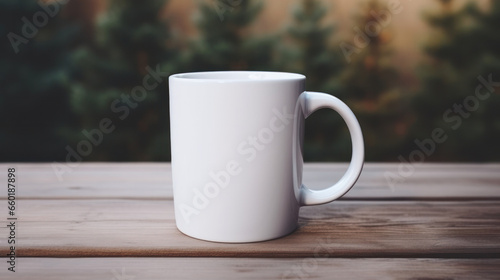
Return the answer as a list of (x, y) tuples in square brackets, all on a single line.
[(153, 181), (146, 228), (106, 221), (248, 268)]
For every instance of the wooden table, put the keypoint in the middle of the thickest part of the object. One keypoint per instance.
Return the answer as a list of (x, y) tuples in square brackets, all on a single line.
[(115, 221)]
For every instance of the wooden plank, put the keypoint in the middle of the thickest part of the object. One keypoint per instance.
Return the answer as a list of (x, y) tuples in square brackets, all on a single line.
[(142, 228), (153, 181), (92, 180), (247, 268), (427, 181)]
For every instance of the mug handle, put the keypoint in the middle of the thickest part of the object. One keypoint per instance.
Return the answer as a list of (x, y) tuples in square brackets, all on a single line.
[(308, 103)]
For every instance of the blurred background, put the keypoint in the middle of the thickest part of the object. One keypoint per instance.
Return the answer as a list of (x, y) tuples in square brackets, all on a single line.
[(85, 80)]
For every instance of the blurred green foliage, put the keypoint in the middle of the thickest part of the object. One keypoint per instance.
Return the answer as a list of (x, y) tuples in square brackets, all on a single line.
[(465, 50), (370, 84), (224, 43), (35, 75), (131, 42), (309, 51), (57, 88)]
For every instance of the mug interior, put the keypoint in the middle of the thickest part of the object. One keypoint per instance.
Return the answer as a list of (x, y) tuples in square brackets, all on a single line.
[(239, 76)]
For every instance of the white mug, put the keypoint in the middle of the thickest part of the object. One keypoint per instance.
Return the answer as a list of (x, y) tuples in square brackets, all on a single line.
[(236, 139)]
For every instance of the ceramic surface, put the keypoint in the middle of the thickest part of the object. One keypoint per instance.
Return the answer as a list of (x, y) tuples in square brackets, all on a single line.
[(236, 141)]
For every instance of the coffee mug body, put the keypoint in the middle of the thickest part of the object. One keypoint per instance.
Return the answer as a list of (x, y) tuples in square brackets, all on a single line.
[(236, 142)]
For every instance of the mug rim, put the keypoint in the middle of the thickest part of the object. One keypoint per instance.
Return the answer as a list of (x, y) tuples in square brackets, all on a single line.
[(237, 76)]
